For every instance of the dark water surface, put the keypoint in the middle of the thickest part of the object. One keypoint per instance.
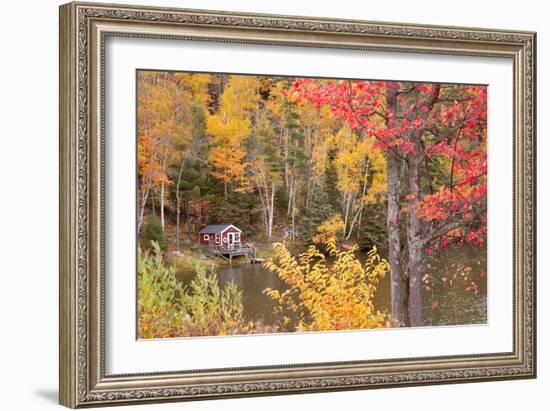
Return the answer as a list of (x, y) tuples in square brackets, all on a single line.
[(446, 302), (251, 279)]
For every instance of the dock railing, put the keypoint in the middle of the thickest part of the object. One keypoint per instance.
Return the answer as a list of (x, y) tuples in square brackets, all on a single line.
[(234, 250)]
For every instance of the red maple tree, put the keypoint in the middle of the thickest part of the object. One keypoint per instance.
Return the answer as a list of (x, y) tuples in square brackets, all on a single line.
[(434, 137)]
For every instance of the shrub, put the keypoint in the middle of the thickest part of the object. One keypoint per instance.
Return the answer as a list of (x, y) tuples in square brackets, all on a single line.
[(211, 310), (330, 228), (328, 296), (168, 309), (153, 231), (160, 311)]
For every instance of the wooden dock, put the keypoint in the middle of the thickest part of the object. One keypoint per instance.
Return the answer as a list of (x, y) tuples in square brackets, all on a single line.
[(236, 250)]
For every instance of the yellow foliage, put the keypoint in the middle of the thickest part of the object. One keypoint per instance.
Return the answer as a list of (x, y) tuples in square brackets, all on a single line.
[(165, 102), (230, 127), (355, 155), (333, 227), (350, 160), (196, 84), (377, 166), (333, 292)]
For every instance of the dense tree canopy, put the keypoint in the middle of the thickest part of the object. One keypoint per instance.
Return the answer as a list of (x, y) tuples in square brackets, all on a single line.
[(434, 139), (397, 165)]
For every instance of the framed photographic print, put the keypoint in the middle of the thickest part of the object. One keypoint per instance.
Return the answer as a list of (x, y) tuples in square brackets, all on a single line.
[(259, 204)]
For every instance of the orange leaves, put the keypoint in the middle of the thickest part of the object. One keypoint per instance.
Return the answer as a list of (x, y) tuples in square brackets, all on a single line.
[(228, 162), (164, 107), (144, 155), (150, 169)]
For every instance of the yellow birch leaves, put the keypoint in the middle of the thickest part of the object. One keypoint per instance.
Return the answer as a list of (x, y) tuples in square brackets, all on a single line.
[(329, 292), (230, 127)]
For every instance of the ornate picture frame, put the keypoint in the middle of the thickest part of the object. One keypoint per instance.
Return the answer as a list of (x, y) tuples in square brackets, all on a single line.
[(84, 29)]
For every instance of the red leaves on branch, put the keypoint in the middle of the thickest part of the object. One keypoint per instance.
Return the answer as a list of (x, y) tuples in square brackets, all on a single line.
[(445, 125)]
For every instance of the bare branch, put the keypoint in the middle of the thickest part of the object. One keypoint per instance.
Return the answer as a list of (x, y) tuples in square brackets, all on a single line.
[(442, 230)]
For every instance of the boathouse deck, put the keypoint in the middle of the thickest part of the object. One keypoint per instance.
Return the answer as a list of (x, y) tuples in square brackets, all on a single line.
[(235, 250)]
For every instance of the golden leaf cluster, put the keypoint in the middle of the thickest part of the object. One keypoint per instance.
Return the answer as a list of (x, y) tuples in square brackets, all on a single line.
[(329, 292)]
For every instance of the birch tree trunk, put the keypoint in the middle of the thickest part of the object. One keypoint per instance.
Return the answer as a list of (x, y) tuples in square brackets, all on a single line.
[(271, 209), (286, 143), (144, 197), (347, 205), (290, 190), (267, 199), (162, 187), (357, 216), (293, 213), (263, 200), (178, 206), (163, 166), (162, 205), (145, 193)]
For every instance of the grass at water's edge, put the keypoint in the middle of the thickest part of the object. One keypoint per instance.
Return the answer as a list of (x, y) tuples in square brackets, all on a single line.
[(189, 255)]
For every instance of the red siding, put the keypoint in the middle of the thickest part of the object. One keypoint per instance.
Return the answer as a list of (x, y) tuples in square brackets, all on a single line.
[(206, 241), (210, 239), (225, 236)]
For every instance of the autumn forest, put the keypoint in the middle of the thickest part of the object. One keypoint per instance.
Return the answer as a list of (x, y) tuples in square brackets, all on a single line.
[(364, 202)]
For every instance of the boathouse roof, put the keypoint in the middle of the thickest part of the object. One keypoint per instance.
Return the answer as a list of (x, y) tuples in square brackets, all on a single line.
[(217, 228)]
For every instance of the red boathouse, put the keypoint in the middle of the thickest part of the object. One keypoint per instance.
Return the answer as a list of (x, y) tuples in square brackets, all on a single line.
[(220, 235)]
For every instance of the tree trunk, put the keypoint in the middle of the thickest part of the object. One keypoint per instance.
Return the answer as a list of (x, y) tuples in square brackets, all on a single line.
[(286, 142), (178, 206), (398, 285), (415, 234), (162, 185), (177, 222), (415, 244), (290, 190), (308, 178), (358, 233), (144, 197), (272, 203), (162, 205), (264, 202), (145, 193), (293, 213), (347, 205), (357, 217), (415, 269), (308, 190), (267, 199)]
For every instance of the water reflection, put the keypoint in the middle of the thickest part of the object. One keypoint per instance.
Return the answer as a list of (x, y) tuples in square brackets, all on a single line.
[(447, 302), (251, 279)]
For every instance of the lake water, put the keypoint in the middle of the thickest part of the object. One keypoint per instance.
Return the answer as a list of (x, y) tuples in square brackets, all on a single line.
[(448, 302)]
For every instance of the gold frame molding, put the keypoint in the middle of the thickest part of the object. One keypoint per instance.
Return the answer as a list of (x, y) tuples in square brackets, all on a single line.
[(84, 27)]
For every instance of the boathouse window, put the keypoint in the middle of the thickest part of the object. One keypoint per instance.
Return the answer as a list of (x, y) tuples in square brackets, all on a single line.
[(217, 238), (205, 237), (237, 237)]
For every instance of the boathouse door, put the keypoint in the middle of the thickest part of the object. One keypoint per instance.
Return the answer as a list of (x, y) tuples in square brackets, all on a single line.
[(231, 240)]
